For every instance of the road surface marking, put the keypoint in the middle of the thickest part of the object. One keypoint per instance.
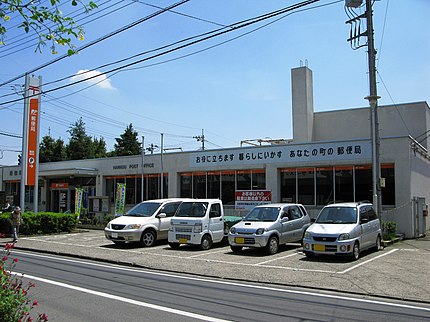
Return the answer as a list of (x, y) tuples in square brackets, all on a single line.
[(124, 299), (215, 281), (275, 259), (368, 261)]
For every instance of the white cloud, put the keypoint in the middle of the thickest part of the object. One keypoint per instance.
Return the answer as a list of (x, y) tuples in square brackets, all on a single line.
[(96, 78)]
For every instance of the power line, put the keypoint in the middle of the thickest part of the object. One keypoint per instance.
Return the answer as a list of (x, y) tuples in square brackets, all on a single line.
[(233, 27), (135, 23)]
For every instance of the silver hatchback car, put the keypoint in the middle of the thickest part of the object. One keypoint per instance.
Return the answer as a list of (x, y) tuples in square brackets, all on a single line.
[(343, 229), (267, 226)]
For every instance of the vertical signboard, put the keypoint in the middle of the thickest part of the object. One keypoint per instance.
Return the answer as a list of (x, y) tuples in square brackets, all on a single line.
[(30, 137), (31, 128)]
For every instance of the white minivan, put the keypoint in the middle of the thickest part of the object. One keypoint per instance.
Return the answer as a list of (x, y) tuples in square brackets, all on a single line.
[(197, 222), (343, 229)]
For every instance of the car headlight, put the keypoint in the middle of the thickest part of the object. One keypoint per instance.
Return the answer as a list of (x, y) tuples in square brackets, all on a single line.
[(133, 226), (108, 226), (344, 237), (232, 230), (307, 235), (198, 228), (260, 231)]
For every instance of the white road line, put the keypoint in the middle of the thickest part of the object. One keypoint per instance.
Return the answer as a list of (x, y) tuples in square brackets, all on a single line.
[(123, 299), (207, 253), (275, 259), (368, 261), (257, 287)]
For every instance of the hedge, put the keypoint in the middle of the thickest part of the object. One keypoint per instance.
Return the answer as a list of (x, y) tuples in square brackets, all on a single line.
[(40, 223)]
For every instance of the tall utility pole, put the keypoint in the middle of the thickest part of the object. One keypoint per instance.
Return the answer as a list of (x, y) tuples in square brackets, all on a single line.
[(201, 138), (143, 166), (373, 101), (373, 96)]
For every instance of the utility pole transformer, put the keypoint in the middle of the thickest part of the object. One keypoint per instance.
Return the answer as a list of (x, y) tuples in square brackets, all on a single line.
[(373, 96)]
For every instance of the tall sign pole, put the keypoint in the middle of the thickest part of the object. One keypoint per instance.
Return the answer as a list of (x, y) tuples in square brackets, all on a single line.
[(30, 139)]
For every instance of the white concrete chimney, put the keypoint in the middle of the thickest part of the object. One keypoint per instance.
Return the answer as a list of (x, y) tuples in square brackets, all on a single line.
[(303, 104)]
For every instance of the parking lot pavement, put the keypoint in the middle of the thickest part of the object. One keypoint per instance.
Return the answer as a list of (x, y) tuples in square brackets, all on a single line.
[(398, 271)]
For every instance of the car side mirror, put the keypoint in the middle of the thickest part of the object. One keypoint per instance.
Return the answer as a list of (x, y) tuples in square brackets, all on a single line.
[(364, 221), (285, 218), (161, 215)]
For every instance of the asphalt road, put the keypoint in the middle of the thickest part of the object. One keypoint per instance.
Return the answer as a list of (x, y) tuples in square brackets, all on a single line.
[(82, 290)]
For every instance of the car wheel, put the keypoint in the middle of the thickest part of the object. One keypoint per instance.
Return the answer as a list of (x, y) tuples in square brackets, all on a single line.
[(206, 242), (356, 251), (236, 249), (174, 245), (148, 238), (378, 243), (272, 245)]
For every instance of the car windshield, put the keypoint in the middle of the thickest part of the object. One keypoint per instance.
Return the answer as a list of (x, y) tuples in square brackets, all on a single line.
[(144, 209), (337, 215), (262, 214), (192, 209)]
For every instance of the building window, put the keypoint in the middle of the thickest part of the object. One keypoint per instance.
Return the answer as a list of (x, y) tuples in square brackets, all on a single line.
[(258, 179), (186, 186), (388, 193), (220, 184), (214, 184), (228, 187), (363, 183), (344, 183), (324, 185), (288, 185), (199, 185), (244, 181), (306, 186)]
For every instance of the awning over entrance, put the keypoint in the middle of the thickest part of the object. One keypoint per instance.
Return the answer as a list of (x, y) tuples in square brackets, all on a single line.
[(82, 172)]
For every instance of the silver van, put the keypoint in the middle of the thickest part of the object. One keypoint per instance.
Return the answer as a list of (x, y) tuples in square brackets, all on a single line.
[(343, 229), (268, 226)]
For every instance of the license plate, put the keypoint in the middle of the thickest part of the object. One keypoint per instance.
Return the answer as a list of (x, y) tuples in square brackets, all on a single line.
[(319, 248), (182, 240), (239, 240), (114, 235)]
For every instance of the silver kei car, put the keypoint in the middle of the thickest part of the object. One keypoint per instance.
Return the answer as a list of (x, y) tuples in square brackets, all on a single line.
[(145, 223), (268, 226), (343, 229)]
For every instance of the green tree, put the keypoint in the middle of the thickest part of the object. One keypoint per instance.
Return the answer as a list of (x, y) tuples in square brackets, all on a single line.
[(80, 145), (47, 22), (99, 148), (127, 143), (51, 150)]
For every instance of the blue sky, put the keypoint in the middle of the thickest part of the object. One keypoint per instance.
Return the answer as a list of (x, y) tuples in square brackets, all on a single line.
[(237, 90)]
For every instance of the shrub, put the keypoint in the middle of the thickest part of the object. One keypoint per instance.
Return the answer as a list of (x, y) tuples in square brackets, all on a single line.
[(389, 230), (15, 302), (40, 223)]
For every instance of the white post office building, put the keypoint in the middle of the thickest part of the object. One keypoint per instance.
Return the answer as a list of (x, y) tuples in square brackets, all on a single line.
[(329, 159)]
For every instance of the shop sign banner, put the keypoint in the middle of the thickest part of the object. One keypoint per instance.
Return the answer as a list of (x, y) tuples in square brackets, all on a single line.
[(303, 153), (78, 201), (248, 199), (120, 199)]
